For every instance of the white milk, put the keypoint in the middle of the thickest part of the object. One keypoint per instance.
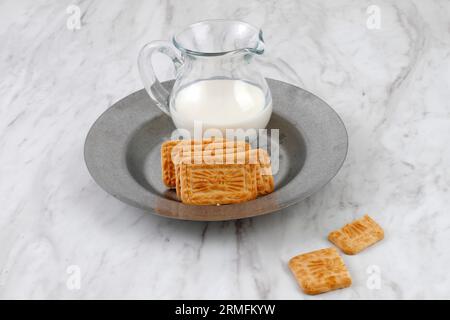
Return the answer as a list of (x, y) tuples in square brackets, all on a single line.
[(221, 104)]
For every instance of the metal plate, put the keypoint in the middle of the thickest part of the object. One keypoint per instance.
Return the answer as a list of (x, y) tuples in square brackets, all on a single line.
[(122, 153)]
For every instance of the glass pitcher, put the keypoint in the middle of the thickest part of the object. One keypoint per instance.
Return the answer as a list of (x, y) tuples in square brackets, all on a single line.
[(218, 82)]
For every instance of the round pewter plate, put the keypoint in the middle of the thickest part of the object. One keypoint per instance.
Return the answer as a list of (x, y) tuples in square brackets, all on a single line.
[(122, 153)]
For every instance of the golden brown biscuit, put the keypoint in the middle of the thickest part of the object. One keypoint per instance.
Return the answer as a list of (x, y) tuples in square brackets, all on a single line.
[(212, 184), (216, 152), (264, 176), (195, 158), (357, 235), (167, 165), (207, 149), (167, 150), (320, 271), (259, 157)]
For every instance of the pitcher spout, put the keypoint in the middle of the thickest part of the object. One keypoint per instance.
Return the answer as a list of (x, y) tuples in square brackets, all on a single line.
[(219, 37)]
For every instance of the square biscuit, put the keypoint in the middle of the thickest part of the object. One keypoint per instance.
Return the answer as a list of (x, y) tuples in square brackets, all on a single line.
[(357, 235), (211, 153), (320, 271), (264, 178), (207, 149), (213, 184), (195, 158), (259, 157), (265, 184), (167, 150), (167, 166)]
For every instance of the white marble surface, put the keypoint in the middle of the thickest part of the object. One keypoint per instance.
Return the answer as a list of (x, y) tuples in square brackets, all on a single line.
[(390, 86)]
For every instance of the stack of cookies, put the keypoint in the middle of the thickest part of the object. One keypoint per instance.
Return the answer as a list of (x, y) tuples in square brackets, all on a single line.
[(215, 172)]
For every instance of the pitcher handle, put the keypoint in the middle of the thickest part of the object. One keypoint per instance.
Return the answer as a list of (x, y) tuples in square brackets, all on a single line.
[(151, 83)]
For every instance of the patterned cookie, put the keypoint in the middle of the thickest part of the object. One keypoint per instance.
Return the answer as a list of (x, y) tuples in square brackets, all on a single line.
[(320, 271), (357, 235), (213, 184), (264, 178), (167, 150), (167, 166), (217, 152), (207, 149)]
